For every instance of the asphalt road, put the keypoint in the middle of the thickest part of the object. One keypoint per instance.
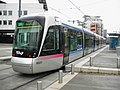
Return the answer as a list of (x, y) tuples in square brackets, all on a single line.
[(5, 50)]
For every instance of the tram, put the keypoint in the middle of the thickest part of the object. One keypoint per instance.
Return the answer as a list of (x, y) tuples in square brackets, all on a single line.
[(42, 44)]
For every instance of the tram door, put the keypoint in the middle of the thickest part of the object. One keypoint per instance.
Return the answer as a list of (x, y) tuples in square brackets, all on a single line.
[(66, 46)]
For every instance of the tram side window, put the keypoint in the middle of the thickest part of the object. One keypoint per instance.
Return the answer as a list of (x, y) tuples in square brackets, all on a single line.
[(79, 41), (86, 41), (89, 41), (52, 39), (73, 40), (97, 41)]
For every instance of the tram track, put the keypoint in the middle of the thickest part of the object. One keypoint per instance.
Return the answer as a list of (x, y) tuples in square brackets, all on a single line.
[(48, 78), (10, 80), (6, 73), (8, 77), (19, 86), (6, 62), (5, 68), (17, 81)]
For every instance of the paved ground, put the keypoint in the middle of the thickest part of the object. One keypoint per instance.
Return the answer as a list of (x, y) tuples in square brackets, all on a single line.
[(107, 59), (5, 51), (85, 81), (2, 45)]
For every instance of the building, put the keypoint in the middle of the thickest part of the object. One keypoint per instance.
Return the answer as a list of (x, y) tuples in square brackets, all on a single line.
[(94, 23), (9, 15)]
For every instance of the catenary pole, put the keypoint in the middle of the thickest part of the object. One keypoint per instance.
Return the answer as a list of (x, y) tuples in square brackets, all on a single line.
[(19, 12)]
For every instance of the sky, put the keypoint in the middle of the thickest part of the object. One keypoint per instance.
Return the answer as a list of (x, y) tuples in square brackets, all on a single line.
[(109, 10)]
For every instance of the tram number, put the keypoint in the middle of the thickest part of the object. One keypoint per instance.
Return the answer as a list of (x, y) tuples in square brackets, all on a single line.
[(40, 62)]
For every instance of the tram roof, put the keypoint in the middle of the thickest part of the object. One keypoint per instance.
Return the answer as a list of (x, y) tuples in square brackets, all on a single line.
[(72, 27), (88, 32)]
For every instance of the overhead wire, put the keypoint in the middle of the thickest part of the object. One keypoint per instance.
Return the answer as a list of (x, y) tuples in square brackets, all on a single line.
[(79, 9), (87, 4), (59, 12), (76, 7)]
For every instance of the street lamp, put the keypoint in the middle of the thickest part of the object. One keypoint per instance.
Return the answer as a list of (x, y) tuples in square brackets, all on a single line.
[(44, 4)]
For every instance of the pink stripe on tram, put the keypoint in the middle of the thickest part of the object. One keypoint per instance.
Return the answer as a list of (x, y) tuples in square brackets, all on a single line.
[(51, 56)]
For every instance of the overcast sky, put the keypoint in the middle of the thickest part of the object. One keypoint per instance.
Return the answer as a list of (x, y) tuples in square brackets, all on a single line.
[(109, 10)]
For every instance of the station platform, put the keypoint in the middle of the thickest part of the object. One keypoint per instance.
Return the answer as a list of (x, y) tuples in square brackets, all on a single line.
[(103, 73)]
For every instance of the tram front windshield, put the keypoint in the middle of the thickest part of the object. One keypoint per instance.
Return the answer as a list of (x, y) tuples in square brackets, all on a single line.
[(27, 35)]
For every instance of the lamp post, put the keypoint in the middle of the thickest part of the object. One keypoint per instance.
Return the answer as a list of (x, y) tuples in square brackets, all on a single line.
[(44, 4), (19, 12)]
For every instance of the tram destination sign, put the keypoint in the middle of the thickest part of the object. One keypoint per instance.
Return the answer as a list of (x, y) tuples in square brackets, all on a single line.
[(22, 24)]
